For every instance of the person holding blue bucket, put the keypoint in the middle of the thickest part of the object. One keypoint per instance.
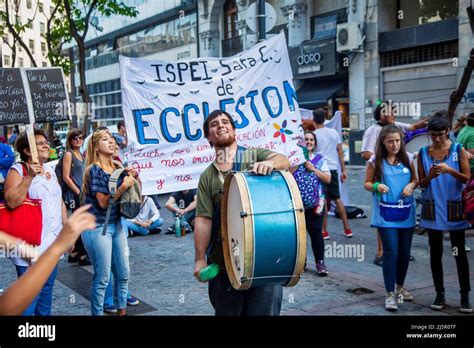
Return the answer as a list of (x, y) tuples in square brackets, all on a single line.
[(392, 178)]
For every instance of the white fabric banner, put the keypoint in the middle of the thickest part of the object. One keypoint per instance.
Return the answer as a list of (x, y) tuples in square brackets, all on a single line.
[(165, 105)]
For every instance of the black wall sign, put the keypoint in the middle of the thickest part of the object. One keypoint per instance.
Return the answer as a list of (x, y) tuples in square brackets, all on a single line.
[(314, 59), (13, 104), (48, 94)]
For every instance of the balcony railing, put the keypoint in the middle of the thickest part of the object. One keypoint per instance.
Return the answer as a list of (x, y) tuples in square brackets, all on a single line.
[(232, 46)]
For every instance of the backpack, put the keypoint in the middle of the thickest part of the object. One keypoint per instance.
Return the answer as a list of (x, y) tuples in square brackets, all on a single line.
[(310, 186), (353, 212), (468, 200), (59, 174), (130, 200)]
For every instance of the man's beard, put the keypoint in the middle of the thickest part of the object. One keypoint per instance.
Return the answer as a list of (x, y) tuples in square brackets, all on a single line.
[(225, 143)]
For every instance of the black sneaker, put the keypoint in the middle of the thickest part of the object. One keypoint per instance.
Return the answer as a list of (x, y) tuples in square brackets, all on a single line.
[(439, 302), (85, 261), (465, 305), (170, 230), (378, 260)]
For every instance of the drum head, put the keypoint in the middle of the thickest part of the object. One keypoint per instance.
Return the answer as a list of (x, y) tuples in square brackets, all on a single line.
[(417, 142), (263, 249), (237, 236)]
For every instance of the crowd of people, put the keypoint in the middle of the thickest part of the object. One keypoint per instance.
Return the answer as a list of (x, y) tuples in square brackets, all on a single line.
[(392, 175)]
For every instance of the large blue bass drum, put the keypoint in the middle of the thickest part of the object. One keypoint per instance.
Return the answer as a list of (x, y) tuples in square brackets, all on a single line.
[(263, 229)]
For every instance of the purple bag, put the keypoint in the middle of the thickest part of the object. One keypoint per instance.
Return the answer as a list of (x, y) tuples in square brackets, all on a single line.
[(309, 184)]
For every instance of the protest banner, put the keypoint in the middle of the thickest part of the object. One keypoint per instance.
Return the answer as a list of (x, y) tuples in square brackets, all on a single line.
[(165, 105)]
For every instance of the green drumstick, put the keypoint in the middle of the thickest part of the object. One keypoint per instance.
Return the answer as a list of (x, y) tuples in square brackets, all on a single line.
[(209, 272)]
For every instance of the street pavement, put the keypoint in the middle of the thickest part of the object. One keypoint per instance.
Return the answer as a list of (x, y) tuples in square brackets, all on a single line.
[(161, 273)]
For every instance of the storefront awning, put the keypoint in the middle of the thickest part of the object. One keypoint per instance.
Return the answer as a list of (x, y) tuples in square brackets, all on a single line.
[(315, 93)]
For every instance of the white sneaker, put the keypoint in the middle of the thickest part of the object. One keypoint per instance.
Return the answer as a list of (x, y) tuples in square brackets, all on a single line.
[(405, 294), (391, 302)]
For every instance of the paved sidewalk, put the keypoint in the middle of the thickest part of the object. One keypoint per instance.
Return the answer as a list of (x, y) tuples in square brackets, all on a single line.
[(161, 274)]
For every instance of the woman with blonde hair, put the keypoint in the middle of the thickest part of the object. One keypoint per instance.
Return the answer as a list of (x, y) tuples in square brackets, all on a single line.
[(106, 245)]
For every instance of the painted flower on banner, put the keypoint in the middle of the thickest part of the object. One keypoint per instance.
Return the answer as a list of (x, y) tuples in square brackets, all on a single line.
[(281, 131)]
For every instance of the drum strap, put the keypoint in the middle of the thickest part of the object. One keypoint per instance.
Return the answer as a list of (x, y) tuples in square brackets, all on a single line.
[(216, 220)]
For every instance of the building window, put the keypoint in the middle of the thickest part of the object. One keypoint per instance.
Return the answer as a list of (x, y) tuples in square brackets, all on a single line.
[(426, 53), (44, 64), (51, 10), (417, 12), (28, 4), (232, 43), (6, 60), (18, 20), (6, 38), (42, 29), (30, 24), (20, 49), (43, 47), (230, 19), (20, 62), (32, 46), (40, 7)]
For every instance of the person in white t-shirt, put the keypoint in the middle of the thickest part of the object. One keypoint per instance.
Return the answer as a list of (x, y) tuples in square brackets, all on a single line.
[(329, 145), (147, 221), (384, 115)]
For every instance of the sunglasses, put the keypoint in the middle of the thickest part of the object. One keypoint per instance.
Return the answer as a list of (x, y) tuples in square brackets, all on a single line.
[(77, 138), (437, 134)]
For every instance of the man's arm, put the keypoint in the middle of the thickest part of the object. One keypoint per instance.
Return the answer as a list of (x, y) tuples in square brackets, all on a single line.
[(341, 161), (202, 237), (274, 161), (418, 125), (191, 206), (366, 155), (173, 207)]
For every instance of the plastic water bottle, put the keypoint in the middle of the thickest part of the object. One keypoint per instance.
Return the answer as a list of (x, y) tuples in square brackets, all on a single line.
[(177, 226), (209, 272)]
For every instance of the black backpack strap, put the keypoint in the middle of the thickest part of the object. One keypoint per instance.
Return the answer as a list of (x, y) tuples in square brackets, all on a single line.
[(216, 216)]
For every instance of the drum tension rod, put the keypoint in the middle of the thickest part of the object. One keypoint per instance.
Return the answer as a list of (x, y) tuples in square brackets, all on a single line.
[(244, 279), (245, 214)]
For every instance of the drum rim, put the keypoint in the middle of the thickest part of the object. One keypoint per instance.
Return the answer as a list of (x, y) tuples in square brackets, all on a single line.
[(300, 228), (236, 283)]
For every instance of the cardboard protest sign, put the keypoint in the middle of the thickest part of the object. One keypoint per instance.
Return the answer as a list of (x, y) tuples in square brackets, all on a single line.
[(13, 104)]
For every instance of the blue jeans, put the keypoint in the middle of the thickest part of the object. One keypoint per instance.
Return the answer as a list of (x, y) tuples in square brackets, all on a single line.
[(127, 223), (108, 253), (109, 295), (396, 243), (41, 304)]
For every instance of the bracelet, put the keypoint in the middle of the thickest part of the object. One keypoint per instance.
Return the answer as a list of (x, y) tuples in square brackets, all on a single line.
[(375, 187)]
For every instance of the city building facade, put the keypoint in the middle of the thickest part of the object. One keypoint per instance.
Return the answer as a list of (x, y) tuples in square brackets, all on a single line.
[(346, 55)]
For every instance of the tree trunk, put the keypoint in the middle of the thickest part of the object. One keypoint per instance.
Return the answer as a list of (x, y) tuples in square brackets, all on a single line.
[(83, 91), (457, 94)]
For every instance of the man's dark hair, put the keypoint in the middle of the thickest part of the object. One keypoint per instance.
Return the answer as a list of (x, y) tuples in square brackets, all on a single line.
[(439, 121), (21, 143), (379, 108), (214, 114), (319, 116), (470, 119), (120, 124)]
